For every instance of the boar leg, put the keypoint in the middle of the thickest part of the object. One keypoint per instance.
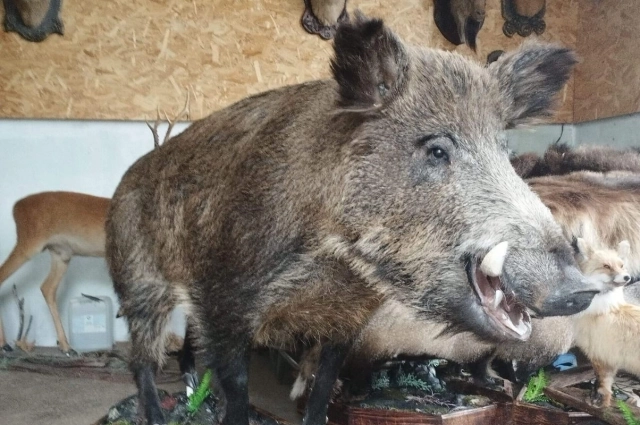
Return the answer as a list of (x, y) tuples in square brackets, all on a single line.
[(232, 374), (480, 369), (149, 403), (187, 359), (605, 376), (148, 310), (331, 360)]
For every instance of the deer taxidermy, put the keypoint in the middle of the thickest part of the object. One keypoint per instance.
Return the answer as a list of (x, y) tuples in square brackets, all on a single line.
[(321, 17), (523, 17), (460, 21), (34, 20), (66, 224)]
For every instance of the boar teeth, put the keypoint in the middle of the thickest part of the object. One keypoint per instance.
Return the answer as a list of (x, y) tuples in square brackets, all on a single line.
[(520, 328), (494, 260), (498, 299)]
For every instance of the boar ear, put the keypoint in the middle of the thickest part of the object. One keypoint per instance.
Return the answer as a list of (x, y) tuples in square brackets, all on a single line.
[(624, 249), (530, 78), (370, 64)]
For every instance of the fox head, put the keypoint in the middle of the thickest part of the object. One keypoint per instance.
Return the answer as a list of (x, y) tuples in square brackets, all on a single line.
[(603, 265)]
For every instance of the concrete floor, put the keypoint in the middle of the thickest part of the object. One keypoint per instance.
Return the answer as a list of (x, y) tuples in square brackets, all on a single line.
[(28, 398)]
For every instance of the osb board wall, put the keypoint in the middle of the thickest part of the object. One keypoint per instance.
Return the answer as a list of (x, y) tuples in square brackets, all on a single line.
[(121, 59), (608, 79)]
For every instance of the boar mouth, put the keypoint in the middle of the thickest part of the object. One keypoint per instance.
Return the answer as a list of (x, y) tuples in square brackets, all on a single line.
[(508, 315)]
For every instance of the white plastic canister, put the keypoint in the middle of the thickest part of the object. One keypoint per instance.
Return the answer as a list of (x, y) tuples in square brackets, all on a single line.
[(91, 323)]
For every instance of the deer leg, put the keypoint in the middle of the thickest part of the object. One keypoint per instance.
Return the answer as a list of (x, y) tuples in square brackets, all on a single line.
[(49, 288), (21, 253), (605, 376)]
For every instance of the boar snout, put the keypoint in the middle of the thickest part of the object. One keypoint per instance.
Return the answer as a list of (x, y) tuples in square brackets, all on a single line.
[(565, 305), (571, 297)]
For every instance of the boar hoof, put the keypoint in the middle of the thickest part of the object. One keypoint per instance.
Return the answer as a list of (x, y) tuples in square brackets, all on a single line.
[(191, 381), (313, 25)]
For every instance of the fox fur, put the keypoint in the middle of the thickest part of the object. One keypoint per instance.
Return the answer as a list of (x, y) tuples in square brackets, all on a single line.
[(607, 332)]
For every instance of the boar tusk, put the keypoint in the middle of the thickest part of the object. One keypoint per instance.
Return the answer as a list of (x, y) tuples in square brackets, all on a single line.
[(498, 299), (494, 260)]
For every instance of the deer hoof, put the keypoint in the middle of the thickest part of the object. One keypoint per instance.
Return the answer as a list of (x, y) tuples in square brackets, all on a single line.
[(7, 348), (71, 353)]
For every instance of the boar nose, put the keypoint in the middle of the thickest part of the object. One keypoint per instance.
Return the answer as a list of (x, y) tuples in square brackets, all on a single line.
[(568, 304), (572, 296)]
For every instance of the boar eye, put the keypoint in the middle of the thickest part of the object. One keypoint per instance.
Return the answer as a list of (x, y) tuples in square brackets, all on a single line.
[(438, 153)]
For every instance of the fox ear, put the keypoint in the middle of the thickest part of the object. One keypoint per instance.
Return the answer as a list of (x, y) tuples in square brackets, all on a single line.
[(624, 249), (583, 248)]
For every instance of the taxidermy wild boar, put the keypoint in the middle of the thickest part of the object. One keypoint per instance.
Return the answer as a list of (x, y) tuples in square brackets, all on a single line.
[(561, 159), (293, 213)]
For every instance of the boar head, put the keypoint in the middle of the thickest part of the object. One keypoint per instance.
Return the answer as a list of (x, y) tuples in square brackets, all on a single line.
[(432, 205)]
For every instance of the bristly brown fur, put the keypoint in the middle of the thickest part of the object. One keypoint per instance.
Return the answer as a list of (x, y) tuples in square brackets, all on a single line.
[(369, 43), (318, 314), (561, 159)]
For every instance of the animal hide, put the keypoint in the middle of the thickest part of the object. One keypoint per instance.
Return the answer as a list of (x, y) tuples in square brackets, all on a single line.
[(322, 16), (460, 21), (34, 20)]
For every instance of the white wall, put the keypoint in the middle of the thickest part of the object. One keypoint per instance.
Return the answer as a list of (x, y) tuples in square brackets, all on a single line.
[(618, 132), (79, 156), (538, 138)]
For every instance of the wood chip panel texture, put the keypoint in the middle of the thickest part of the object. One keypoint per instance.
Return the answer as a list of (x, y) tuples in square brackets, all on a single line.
[(122, 59), (608, 79)]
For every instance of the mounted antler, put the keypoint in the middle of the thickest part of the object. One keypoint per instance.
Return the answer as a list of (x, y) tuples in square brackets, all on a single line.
[(167, 136)]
